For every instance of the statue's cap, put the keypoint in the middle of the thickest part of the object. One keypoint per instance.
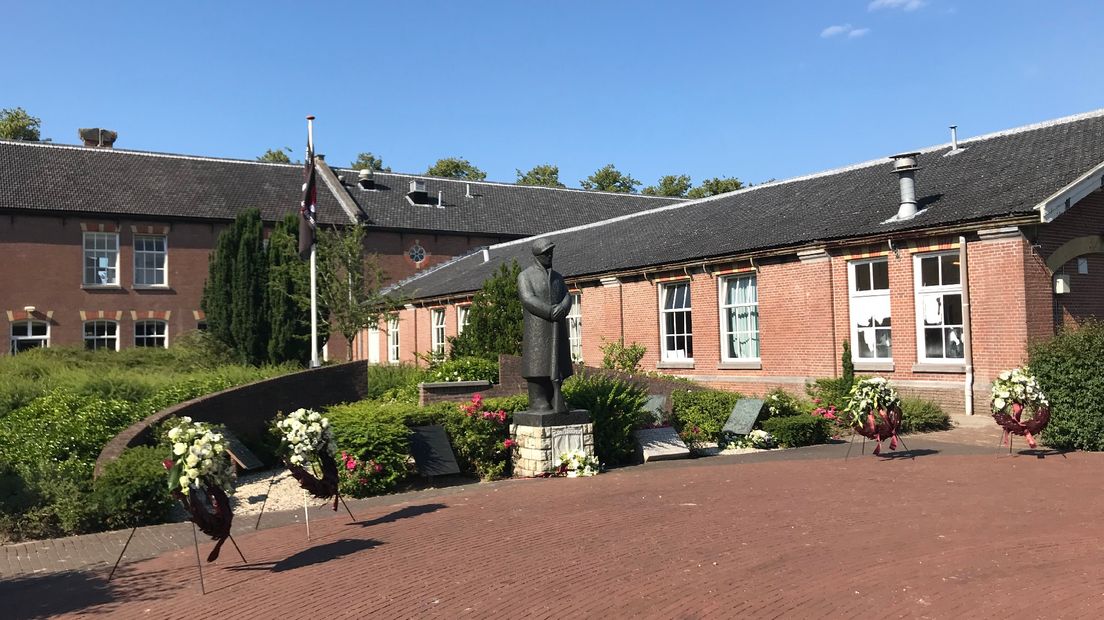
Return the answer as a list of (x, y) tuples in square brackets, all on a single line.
[(543, 245)]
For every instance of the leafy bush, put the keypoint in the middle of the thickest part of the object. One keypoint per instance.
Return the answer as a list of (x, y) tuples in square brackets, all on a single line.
[(133, 489), (923, 416), (793, 431), (781, 403), (706, 410), (509, 404), (616, 407), (1070, 370), (617, 356), (372, 434), (830, 392), (465, 369), (383, 378), (47, 499), (481, 437)]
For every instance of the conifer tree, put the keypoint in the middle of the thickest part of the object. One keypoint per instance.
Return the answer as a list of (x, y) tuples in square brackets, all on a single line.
[(495, 318), (288, 296), (249, 281), (216, 290)]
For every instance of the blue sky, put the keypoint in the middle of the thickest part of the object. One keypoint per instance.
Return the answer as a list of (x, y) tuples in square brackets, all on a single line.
[(753, 90)]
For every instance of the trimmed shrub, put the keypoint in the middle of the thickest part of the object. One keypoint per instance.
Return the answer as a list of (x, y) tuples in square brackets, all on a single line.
[(464, 369), (616, 355), (383, 378), (133, 489), (480, 436), (61, 426), (617, 408), (509, 404), (781, 403), (830, 392), (706, 410), (47, 499), (923, 416), (793, 431), (376, 435), (1070, 370)]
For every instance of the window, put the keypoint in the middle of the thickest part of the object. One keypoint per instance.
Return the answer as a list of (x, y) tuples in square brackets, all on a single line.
[(675, 322), (871, 332), (101, 335), (151, 334), (462, 313), (739, 318), (437, 335), (938, 307), (101, 258), (29, 335), (575, 327), (393, 340), (149, 260)]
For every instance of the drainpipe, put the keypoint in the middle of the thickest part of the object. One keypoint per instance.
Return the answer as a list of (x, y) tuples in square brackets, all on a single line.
[(967, 339)]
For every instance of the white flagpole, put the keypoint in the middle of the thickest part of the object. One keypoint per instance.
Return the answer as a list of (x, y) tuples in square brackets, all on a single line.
[(315, 363)]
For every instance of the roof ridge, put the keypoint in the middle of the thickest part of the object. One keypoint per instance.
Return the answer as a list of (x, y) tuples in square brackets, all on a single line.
[(505, 184), (93, 149)]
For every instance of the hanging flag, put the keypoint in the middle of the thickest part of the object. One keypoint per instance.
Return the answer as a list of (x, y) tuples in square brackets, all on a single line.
[(307, 221)]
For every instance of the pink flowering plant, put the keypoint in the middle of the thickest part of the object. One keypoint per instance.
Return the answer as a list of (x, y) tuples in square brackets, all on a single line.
[(839, 422), (481, 437), (362, 477)]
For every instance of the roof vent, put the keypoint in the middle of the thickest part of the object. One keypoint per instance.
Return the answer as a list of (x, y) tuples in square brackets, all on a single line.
[(417, 193), (101, 138), (904, 166), (366, 179)]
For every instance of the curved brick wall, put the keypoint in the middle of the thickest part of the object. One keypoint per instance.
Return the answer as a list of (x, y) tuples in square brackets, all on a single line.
[(247, 409)]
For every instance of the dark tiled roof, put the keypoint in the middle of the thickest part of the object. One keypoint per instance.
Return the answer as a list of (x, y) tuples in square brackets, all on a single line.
[(38, 176), (1000, 175)]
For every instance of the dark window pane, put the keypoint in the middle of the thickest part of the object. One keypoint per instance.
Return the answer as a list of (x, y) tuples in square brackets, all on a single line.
[(955, 346), (880, 275), (884, 344), (933, 342), (862, 277), (865, 344), (929, 271), (951, 274), (952, 309)]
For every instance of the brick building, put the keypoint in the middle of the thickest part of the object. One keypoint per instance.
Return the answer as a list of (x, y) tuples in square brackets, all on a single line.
[(109, 247), (940, 268)]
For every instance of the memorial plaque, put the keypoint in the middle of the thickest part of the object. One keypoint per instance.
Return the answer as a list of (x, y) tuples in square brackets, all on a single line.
[(743, 416), (659, 444), (656, 405), (432, 453), (243, 457)]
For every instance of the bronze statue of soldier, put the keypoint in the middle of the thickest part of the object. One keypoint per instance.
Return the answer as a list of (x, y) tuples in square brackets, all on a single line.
[(546, 351)]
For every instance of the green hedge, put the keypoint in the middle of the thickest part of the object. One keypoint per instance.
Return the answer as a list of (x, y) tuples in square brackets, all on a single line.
[(1070, 370), (923, 416), (797, 430), (465, 369), (616, 407), (374, 432), (386, 377), (133, 489), (705, 410)]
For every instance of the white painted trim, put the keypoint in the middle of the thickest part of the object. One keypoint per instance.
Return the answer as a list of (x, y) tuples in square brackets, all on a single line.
[(721, 341), (663, 359), (852, 293), (1060, 201), (134, 263), (917, 292)]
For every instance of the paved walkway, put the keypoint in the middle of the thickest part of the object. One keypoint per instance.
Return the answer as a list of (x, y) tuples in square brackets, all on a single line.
[(960, 529)]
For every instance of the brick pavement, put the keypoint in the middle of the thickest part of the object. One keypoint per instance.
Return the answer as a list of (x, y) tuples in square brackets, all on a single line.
[(958, 530)]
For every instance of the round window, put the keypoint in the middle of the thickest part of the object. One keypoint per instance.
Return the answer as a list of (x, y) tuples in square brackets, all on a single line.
[(416, 253)]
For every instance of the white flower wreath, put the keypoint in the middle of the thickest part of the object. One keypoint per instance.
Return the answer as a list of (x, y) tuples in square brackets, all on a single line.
[(578, 463), (305, 434), (199, 454), (1017, 386)]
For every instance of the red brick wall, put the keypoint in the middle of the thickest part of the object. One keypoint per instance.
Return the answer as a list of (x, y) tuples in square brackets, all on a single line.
[(1086, 298)]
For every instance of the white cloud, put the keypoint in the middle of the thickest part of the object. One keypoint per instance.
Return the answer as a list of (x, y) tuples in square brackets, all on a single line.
[(908, 5), (846, 30)]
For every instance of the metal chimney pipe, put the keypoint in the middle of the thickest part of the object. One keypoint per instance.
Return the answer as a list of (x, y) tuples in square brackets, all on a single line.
[(904, 166), (467, 190), (439, 199), (954, 137)]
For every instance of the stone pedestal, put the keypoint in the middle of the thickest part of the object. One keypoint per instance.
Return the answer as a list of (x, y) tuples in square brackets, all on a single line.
[(543, 437)]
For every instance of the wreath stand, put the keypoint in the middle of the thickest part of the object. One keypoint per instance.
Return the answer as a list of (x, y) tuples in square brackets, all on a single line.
[(215, 524), (877, 428), (1012, 425), (324, 488)]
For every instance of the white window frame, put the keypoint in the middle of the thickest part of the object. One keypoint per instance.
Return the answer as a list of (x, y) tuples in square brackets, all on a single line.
[(463, 316), (393, 340), (373, 345), (95, 253), (575, 327), (437, 330), (671, 354), (726, 309), (111, 341), (27, 335), (924, 292), (163, 270), (853, 295), (163, 336)]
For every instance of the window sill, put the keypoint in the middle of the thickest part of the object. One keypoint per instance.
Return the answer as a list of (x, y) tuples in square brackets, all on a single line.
[(157, 287), (675, 364), (741, 365), (873, 366), (936, 367), (102, 287)]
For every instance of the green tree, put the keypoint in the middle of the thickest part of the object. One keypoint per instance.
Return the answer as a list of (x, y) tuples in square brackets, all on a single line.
[(288, 295), (16, 124), (610, 179), (544, 175), (370, 162), (217, 293), (714, 186), (671, 185), (494, 320), (456, 168), (249, 283), (276, 156), (349, 283)]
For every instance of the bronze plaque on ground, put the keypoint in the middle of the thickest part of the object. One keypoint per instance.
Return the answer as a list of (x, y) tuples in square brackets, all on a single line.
[(743, 416), (432, 453)]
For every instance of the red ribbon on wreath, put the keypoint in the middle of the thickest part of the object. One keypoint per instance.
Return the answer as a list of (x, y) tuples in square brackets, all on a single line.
[(211, 513), (1013, 426), (323, 488), (880, 425)]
